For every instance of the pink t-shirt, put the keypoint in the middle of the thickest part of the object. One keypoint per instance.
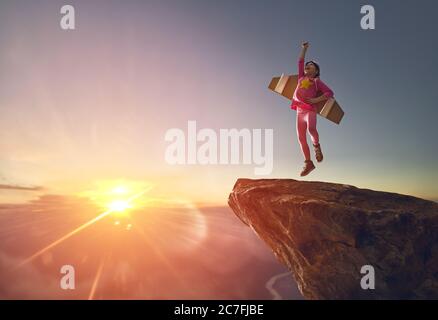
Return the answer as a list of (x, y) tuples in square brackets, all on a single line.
[(308, 88)]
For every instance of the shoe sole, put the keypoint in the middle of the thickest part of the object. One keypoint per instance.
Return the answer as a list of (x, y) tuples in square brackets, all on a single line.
[(303, 175)]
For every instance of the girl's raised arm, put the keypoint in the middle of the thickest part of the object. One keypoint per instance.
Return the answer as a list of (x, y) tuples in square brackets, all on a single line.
[(301, 58)]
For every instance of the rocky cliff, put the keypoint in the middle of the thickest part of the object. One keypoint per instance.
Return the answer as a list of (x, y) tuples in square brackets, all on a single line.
[(325, 233)]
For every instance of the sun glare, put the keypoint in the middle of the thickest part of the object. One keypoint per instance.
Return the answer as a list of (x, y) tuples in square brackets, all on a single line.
[(118, 196), (113, 197), (120, 190), (119, 205)]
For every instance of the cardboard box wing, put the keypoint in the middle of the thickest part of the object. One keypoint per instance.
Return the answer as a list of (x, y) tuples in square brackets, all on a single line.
[(285, 85)]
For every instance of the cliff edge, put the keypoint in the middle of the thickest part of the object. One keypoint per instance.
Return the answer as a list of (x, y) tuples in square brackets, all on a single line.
[(326, 232)]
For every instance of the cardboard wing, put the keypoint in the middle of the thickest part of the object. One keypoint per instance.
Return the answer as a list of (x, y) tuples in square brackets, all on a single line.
[(285, 85)]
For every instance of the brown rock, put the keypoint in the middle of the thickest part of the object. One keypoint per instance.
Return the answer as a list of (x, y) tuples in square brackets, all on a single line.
[(325, 232)]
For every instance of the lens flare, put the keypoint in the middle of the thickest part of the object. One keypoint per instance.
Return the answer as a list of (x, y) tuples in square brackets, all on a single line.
[(119, 206), (116, 195)]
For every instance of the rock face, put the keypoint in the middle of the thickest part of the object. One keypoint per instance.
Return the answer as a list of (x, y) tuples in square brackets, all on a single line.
[(325, 233)]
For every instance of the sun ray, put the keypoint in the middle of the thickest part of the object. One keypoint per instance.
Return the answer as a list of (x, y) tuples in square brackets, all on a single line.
[(96, 280), (71, 233), (65, 237)]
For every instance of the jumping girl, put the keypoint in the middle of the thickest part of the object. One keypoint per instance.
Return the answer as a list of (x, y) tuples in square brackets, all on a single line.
[(304, 100)]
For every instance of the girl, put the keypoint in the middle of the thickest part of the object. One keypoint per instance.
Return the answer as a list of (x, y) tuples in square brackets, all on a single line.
[(304, 100)]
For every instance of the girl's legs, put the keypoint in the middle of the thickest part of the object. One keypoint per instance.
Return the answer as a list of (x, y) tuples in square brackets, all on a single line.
[(311, 123), (306, 120), (301, 132)]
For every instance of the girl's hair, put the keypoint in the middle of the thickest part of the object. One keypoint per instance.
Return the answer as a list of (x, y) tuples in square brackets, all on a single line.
[(316, 66)]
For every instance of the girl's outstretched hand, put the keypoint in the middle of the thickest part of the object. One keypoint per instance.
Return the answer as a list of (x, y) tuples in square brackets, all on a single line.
[(304, 47)]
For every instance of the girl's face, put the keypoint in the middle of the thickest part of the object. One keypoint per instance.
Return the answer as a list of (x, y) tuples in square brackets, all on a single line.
[(310, 70)]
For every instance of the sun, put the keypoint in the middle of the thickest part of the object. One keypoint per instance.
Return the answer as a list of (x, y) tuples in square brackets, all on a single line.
[(119, 205), (118, 196)]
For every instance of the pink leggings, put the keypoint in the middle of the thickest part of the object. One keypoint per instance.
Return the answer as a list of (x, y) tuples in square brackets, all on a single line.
[(306, 120)]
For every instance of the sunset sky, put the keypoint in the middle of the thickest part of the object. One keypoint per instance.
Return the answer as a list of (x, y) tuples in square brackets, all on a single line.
[(91, 105)]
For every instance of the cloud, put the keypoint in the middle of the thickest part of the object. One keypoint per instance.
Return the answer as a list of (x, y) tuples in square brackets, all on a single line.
[(21, 188)]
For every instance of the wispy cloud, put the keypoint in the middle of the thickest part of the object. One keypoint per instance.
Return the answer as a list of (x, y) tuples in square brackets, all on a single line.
[(18, 187)]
